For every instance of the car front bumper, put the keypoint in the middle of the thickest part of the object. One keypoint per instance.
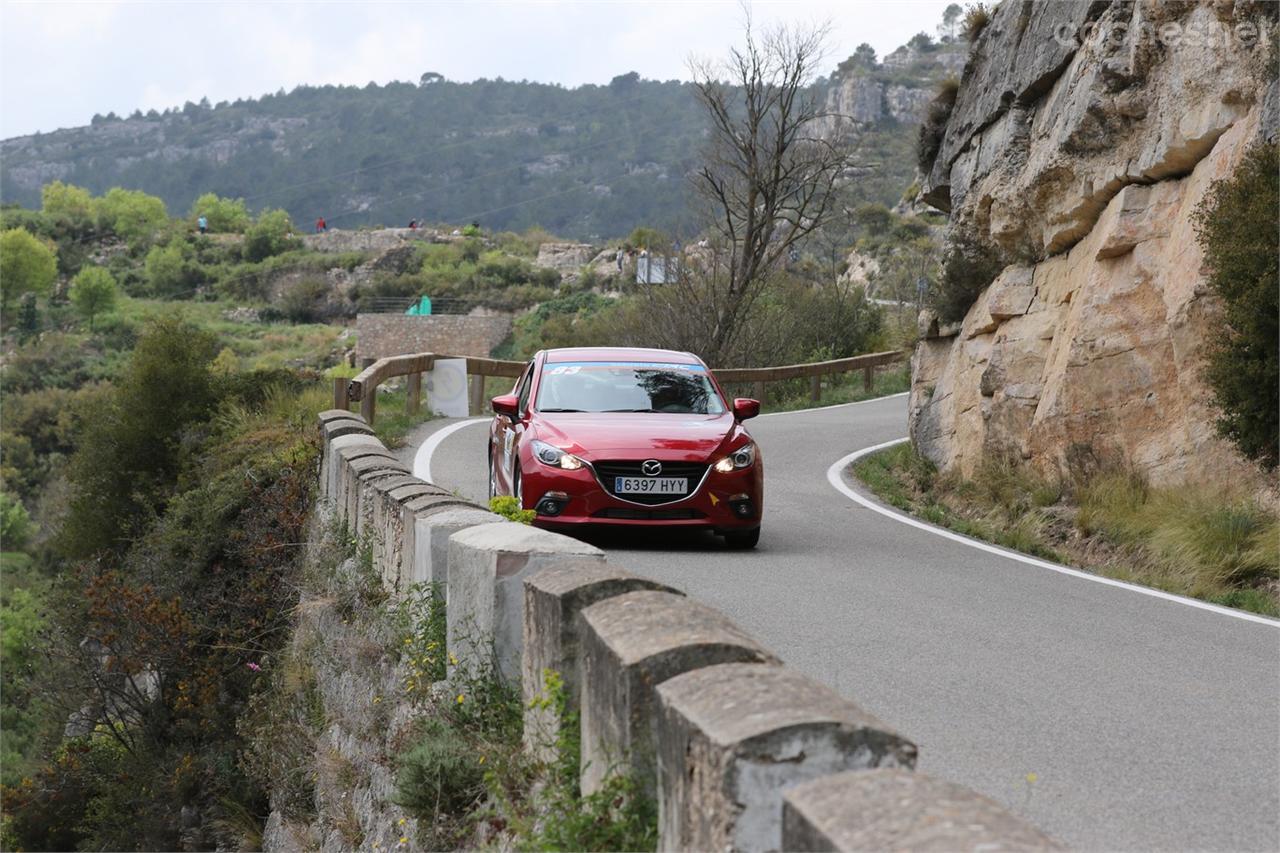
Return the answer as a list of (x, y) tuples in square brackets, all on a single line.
[(722, 502)]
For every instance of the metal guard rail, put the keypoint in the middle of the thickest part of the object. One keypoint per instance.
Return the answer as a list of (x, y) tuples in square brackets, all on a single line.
[(363, 388)]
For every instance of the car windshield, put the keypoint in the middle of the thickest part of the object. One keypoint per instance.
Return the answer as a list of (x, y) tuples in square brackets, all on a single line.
[(600, 386)]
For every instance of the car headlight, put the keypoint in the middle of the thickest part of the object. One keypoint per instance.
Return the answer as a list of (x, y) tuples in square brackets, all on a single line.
[(743, 457), (555, 457)]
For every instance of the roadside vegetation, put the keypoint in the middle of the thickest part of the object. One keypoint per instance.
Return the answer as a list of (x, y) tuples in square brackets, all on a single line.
[(1237, 229), (1216, 544)]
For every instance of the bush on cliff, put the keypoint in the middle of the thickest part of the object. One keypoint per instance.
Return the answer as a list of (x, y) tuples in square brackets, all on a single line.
[(934, 125), (968, 268), (1237, 224)]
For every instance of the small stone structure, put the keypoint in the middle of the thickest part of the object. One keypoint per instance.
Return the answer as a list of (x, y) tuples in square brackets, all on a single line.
[(384, 335), (742, 752)]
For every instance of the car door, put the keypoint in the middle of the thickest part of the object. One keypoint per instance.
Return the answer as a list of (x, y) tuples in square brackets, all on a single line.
[(506, 436)]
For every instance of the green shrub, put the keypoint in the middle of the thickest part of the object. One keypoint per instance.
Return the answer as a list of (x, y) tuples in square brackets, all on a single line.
[(934, 126), (93, 292), (507, 507), (171, 273), (968, 268), (271, 235), (15, 523), (130, 214), (1237, 223), (27, 265), (224, 215), (441, 774)]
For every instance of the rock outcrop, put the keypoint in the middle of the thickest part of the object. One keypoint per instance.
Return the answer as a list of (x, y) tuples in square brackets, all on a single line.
[(1084, 137), (565, 258)]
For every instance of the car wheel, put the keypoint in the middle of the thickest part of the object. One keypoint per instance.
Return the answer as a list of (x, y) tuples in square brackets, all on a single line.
[(742, 539)]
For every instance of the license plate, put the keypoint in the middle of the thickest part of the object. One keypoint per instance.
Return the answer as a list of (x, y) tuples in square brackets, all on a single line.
[(651, 485)]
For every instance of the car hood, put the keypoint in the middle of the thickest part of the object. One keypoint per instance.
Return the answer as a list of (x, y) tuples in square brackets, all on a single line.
[(637, 435)]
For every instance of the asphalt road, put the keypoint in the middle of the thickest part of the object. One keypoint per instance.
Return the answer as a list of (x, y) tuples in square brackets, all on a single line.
[(1147, 724)]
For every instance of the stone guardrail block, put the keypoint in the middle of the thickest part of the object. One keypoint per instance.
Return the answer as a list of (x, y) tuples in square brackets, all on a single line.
[(391, 546), (332, 456), (434, 521), (731, 738), (347, 479), (630, 644), (367, 473), (487, 567), (891, 809), (553, 598)]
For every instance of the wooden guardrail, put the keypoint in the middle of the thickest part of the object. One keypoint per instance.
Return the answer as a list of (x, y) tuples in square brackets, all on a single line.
[(364, 387)]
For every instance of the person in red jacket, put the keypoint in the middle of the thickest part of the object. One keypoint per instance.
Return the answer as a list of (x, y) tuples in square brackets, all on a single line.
[(321, 225)]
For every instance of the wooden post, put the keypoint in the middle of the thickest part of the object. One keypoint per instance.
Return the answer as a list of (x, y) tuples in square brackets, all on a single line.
[(340, 400), (868, 377), (413, 395), (477, 394), (369, 403), (815, 387), (759, 390)]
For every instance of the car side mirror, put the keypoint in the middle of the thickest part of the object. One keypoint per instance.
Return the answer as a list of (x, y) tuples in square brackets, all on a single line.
[(506, 404), (745, 408)]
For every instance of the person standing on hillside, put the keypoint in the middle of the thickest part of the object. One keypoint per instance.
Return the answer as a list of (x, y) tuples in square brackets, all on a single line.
[(202, 224), (321, 226)]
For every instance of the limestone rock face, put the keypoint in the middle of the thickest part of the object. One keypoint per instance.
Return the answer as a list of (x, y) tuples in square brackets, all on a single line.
[(1093, 355), (1086, 157)]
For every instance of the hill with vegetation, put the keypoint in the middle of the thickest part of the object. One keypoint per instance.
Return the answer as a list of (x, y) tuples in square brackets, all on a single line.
[(588, 162)]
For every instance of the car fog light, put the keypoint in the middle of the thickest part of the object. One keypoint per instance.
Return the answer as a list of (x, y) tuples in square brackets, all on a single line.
[(742, 506), (552, 504)]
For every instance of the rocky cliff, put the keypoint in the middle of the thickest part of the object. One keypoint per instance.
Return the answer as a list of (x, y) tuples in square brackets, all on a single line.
[(1083, 138)]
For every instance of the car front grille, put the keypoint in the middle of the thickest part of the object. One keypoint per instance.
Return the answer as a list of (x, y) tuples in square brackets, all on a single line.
[(607, 471)]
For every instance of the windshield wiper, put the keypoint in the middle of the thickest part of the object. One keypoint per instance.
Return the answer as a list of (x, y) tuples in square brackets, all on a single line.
[(611, 411), (559, 410)]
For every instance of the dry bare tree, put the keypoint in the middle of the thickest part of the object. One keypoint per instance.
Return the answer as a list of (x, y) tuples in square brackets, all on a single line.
[(768, 179)]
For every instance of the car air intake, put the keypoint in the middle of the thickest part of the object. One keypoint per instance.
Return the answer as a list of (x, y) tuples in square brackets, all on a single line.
[(608, 473), (648, 514)]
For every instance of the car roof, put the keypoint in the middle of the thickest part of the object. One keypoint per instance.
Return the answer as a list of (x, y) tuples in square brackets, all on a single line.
[(619, 354)]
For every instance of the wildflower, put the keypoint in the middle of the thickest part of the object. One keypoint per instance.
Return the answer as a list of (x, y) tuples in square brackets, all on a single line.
[(377, 699), (408, 640), (453, 659), (253, 666), (1031, 778), (460, 698), (404, 839), (400, 822)]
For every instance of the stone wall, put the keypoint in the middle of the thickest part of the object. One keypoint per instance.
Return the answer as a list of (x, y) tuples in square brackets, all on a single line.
[(1083, 138), (384, 335), (740, 751)]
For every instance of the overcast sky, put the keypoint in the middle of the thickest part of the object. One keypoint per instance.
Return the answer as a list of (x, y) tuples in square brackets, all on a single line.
[(61, 62)]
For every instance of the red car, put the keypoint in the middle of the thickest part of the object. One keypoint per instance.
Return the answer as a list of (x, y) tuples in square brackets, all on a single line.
[(627, 437)]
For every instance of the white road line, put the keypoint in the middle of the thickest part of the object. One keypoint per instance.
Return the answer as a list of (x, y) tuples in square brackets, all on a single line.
[(422, 459), (834, 476)]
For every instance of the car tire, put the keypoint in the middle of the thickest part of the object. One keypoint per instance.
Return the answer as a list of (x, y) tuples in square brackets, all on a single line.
[(742, 540)]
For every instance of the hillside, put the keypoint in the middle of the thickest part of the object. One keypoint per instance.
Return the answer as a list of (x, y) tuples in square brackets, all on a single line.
[(589, 162)]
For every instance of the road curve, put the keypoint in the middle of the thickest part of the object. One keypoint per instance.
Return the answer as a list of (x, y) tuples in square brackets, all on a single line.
[(1147, 724)]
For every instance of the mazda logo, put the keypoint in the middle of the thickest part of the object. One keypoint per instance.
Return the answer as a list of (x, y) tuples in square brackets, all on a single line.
[(651, 467)]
